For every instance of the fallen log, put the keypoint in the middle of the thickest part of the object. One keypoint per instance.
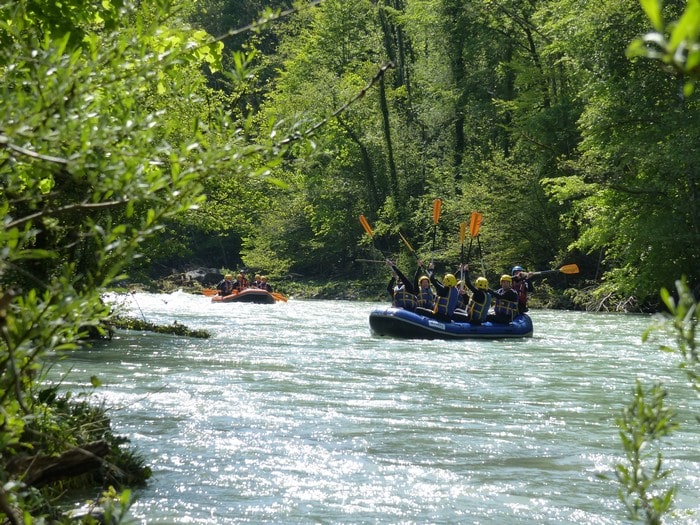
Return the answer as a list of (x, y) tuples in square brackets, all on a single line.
[(40, 470)]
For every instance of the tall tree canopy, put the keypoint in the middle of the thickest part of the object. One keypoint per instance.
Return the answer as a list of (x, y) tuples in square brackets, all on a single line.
[(528, 111)]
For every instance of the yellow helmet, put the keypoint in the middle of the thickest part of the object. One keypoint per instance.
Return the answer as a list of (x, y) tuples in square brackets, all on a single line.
[(422, 278), (506, 277), (481, 283), (449, 280), (228, 276)]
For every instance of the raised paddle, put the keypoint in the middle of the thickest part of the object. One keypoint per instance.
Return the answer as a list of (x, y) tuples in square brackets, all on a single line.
[(474, 225), (462, 235), (568, 269), (366, 226), (368, 229), (437, 206), (408, 245), (481, 255)]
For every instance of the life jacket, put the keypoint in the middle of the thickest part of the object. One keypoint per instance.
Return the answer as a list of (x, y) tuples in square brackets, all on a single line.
[(506, 308), (445, 306), (225, 287), (479, 310), (403, 299), (426, 298)]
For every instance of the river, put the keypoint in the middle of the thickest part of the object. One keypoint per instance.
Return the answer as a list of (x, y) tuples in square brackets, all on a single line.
[(296, 413)]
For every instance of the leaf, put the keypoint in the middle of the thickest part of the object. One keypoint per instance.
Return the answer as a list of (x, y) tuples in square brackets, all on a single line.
[(652, 8)]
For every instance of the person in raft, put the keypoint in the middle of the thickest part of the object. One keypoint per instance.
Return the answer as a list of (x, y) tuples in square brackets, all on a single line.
[(464, 294), (447, 297), (522, 285), (242, 280), (424, 293), (480, 300), (505, 306), (226, 286), (241, 283), (400, 288), (264, 285)]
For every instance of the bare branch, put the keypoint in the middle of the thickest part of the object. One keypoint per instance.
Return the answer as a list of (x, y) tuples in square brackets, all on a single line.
[(5, 142)]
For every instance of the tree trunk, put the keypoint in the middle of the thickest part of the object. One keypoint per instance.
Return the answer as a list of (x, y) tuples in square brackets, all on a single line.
[(40, 470), (393, 177)]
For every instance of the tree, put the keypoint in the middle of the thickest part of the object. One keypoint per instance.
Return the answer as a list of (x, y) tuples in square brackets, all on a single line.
[(108, 131), (633, 186)]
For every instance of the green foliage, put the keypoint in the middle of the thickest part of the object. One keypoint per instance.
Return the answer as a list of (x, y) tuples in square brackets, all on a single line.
[(682, 320), (644, 488), (109, 131), (676, 44), (642, 425), (129, 323)]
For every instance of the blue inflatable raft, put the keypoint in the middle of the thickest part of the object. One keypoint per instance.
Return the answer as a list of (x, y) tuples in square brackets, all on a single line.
[(397, 322)]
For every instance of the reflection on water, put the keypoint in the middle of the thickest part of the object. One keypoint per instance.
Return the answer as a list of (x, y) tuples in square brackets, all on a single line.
[(295, 413)]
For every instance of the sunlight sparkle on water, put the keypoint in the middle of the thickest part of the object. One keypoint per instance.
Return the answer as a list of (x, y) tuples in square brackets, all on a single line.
[(295, 413)]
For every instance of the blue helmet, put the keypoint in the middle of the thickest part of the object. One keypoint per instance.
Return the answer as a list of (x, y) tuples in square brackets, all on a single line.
[(517, 269)]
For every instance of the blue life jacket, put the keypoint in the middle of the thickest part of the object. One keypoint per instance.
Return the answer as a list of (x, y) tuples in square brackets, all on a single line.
[(403, 299), (505, 307), (446, 305), (479, 310), (426, 298)]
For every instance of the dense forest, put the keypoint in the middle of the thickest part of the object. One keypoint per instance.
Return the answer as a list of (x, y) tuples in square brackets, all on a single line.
[(138, 138), (530, 112)]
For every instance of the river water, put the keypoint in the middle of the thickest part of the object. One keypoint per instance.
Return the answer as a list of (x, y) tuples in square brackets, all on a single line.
[(296, 413)]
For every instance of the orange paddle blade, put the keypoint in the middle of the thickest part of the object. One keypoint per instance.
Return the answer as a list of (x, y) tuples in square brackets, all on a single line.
[(278, 296), (462, 231), (569, 268), (437, 205), (366, 225), (209, 292), (475, 224)]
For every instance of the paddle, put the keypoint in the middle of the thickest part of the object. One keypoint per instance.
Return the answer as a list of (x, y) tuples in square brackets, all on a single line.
[(408, 245), (474, 225), (569, 269), (462, 235), (369, 231), (481, 256), (437, 206), (280, 297)]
